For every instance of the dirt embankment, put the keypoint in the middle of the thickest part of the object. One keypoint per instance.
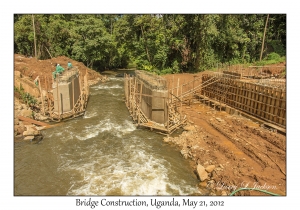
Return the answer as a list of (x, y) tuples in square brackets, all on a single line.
[(31, 67), (25, 72), (229, 152)]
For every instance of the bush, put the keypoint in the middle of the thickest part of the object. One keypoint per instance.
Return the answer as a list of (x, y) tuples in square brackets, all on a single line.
[(271, 58), (26, 97)]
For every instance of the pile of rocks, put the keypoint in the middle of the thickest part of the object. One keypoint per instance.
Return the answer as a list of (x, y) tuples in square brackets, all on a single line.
[(192, 144), (23, 129)]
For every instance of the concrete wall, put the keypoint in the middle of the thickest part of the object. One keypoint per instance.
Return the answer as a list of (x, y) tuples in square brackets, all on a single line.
[(159, 106), (63, 97), (154, 106)]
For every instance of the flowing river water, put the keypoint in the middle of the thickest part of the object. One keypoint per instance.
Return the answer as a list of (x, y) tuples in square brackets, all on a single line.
[(101, 153)]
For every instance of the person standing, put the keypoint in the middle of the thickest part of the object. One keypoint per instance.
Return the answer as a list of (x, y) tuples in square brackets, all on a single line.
[(70, 65)]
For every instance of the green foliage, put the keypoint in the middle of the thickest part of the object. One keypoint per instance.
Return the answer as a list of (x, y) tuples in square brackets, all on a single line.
[(158, 43), (271, 58), (26, 97), (277, 47)]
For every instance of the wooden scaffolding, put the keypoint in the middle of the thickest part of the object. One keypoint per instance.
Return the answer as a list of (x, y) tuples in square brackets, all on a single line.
[(149, 103), (77, 93)]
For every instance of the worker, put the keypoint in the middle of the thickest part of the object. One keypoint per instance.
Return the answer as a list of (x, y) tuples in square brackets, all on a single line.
[(59, 70), (70, 65)]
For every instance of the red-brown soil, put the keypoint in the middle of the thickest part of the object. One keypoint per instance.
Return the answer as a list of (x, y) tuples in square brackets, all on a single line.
[(244, 153), (32, 67)]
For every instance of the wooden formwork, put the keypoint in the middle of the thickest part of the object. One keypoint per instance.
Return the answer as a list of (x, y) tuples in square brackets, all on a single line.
[(264, 102), (140, 95), (48, 101)]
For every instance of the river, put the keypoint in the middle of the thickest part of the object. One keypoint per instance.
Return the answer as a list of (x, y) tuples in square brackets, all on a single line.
[(101, 153)]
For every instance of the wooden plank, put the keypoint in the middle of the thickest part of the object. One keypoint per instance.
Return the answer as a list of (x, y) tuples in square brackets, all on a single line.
[(264, 100), (269, 90), (248, 97), (273, 99), (260, 100), (277, 102), (283, 112), (256, 99), (29, 120)]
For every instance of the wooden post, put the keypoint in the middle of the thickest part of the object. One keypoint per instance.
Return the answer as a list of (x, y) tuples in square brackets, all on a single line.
[(177, 86), (277, 103), (140, 103), (46, 85), (181, 105), (57, 98), (73, 97), (42, 99), (134, 99), (129, 93), (81, 94), (172, 89)]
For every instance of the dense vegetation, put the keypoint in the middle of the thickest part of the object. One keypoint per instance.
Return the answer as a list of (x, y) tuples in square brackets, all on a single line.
[(163, 43)]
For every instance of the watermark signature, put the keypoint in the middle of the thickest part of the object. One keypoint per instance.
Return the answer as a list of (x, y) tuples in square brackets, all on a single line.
[(251, 185)]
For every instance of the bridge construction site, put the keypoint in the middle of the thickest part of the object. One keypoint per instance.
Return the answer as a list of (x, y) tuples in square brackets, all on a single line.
[(64, 97), (156, 103)]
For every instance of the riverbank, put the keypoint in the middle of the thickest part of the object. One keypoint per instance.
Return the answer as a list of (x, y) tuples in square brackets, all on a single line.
[(229, 152), (27, 70)]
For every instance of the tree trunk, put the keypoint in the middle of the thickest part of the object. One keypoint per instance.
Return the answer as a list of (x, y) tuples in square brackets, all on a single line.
[(34, 36), (263, 42)]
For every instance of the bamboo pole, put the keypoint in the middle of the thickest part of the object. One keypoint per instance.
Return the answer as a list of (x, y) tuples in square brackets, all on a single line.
[(81, 94), (140, 103), (42, 99), (57, 97), (172, 89), (73, 97), (181, 105)]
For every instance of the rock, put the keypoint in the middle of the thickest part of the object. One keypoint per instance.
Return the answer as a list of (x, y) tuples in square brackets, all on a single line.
[(26, 113), (221, 166), (218, 190), (210, 168), (189, 128), (16, 121), (31, 133), (29, 127), (38, 138), (223, 193), (30, 138), (40, 117), (39, 128), (219, 119), (203, 184), (201, 172), (166, 139), (184, 153), (19, 129)]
